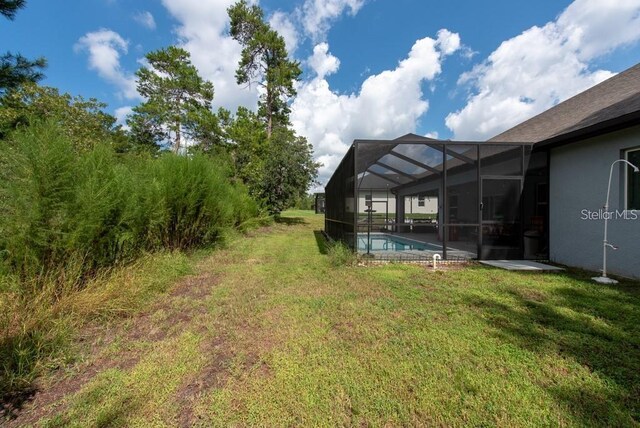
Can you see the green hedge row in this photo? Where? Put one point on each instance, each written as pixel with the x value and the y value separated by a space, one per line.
pixel 64 210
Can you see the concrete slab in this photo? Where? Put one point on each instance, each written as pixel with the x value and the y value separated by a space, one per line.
pixel 519 265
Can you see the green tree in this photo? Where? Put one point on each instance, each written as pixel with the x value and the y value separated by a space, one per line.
pixel 275 164
pixel 84 121
pixel 9 8
pixel 14 68
pixel 278 170
pixel 249 147
pixel 178 100
pixel 264 61
pixel 305 202
pixel 289 171
pixel 208 133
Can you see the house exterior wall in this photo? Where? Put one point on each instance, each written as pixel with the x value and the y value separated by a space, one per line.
pixel 579 174
pixel 380 197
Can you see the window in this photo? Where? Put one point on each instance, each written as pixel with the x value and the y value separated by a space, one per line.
pixel 367 200
pixel 633 180
pixel 420 200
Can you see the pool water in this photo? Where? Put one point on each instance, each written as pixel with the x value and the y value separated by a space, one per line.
pixel 383 242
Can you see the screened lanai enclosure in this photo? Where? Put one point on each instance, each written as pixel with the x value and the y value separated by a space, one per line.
pixel 413 197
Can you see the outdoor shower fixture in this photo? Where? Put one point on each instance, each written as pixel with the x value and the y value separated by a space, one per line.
pixel 605 244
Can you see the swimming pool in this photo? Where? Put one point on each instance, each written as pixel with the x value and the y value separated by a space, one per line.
pixel 385 242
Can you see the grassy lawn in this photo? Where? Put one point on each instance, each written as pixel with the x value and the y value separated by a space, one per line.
pixel 269 333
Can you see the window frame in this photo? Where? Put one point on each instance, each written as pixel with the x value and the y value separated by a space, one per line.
pixel 626 177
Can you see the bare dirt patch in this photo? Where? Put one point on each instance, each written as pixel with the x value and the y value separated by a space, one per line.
pixel 47 398
pixel 195 287
pixel 212 375
pixel 183 304
pixel 248 343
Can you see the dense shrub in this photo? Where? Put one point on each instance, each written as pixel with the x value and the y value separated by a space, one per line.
pixel 69 214
pixel 72 212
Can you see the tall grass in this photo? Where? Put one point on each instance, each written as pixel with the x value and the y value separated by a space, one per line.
pixel 63 209
pixel 68 215
pixel 341 255
pixel 37 331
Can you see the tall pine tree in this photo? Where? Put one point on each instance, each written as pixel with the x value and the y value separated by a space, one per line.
pixel 178 100
pixel 265 62
pixel 9 8
pixel 276 165
pixel 14 68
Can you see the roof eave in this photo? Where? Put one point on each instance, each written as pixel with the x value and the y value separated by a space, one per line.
pixel 600 128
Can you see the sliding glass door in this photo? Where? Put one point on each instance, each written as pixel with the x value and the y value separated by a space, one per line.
pixel 501 226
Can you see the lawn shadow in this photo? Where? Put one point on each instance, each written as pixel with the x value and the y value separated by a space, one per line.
pixel 20 353
pixel 11 403
pixel 594 325
pixel 321 242
pixel 289 221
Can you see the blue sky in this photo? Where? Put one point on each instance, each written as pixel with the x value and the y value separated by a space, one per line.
pixel 372 68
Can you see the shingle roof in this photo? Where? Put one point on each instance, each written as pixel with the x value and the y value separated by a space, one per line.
pixel 611 103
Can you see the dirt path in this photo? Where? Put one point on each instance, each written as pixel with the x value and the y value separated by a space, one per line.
pixel 154 367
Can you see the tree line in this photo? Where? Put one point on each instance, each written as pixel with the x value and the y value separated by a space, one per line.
pixel 264 152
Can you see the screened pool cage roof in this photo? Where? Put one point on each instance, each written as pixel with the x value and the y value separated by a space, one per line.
pixel 411 158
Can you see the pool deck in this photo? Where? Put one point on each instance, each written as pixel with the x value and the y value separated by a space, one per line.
pixel 520 265
pixel 424 238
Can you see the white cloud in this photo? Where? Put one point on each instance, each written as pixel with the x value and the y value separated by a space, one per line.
pixel 322 62
pixel 447 41
pixel 202 31
pixel 121 114
pixel 593 27
pixel 311 20
pixel 543 66
pixel 318 15
pixel 432 134
pixel 282 23
pixel 104 48
pixel 145 19
pixel 387 105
